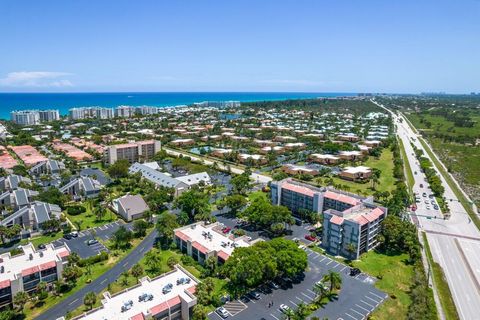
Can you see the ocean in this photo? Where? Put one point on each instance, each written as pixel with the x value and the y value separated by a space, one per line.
pixel 65 101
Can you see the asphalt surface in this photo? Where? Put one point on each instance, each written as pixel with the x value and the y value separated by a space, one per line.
pixel 76 300
pixel 452 241
pixel 356 300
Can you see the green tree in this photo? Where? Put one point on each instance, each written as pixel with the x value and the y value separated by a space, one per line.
pixel 140 228
pixel 172 261
pixel 41 291
pixel 200 312
pixel 234 202
pixel 195 204
pixel 241 183
pixel 90 299
pixel 73 258
pixel 166 223
pixel 119 169
pixel 122 237
pixel 137 271
pixel 153 261
pixel 54 196
pixel 334 279
pixel 71 273
pixel 20 300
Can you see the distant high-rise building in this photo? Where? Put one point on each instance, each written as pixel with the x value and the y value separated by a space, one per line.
pixel 33 117
pixel 125 111
pixel 90 113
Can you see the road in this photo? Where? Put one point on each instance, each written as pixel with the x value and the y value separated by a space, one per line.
pixel 76 300
pixel 259 178
pixel 455 242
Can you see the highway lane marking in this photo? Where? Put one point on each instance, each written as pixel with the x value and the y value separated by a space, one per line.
pixel 125 264
pixel 103 281
pixel 73 302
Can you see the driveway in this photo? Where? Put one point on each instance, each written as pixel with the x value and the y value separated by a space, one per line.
pixel 357 299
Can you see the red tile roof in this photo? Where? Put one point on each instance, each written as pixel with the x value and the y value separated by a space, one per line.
pixel 63 254
pixel 182 236
pixel 4 284
pixel 29 271
pixel 336 220
pixel 192 289
pixel 223 255
pixel 341 198
pixel 138 317
pixel 199 247
pixel 298 189
pixel 47 265
pixel 164 305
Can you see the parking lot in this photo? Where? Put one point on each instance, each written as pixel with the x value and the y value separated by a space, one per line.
pixel 79 244
pixel 357 299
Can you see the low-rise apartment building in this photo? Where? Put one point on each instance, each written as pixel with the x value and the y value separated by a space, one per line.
pixel 133 152
pixel 201 241
pixel 359 173
pixel 23 272
pixel 168 296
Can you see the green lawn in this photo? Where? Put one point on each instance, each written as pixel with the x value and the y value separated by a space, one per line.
pixel 89 220
pixel 395 278
pixel 444 293
pixel 258 194
pixel 386 181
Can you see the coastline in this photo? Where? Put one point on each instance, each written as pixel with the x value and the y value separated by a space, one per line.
pixel 64 101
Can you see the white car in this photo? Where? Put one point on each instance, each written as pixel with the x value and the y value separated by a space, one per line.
pixel 284 308
pixel 222 312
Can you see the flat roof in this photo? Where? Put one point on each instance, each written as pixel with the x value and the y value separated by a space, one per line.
pixel 112 304
pixel 208 239
pixel 22 264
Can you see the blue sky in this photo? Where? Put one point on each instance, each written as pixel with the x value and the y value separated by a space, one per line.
pixel 243 45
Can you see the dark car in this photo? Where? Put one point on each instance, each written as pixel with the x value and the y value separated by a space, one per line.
pixel 354 272
pixel 41 246
pixel 255 295
pixel 67 236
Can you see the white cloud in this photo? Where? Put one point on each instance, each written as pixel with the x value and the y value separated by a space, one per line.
pixel 36 79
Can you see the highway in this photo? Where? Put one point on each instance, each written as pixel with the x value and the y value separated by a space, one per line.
pixel 454 242
pixel 76 300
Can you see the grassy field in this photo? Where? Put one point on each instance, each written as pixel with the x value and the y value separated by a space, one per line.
pixel 395 278
pixel 89 220
pixel 444 293
pixel 387 182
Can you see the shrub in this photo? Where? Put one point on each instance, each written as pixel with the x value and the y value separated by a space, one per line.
pixel 94 259
pixel 75 210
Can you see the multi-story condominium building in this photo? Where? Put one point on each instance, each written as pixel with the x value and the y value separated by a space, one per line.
pixel 25 271
pixel 201 241
pixel 133 152
pixel 145 110
pixel 351 222
pixel 32 216
pixel 351 232
pixel 47 167
pixel 25 117
pixel 90 112
pixel 33 117
pixel 169 296
pixel 12 181
pixel 125 111
pixel 49 115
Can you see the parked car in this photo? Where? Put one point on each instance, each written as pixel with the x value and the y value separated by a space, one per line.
pixel 222 312
pixel 226 229
pixel 435 207
pixel 421 185
pixel 354 272
pixel 67 236
pixel 74 234
pixel 284 308
pixel 274 285
pixel 91 242
pixel 254 294
pixel 41 246
pixel 309 237
pixel 424 194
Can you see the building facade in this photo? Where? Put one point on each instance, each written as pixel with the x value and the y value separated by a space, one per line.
pixel 25 271
pixel 33 117
pixel 133 152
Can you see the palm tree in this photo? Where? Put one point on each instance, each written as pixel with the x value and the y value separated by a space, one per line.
pixel 321 291
pixel 20 299
pixel 334 279
pixel 302 312
pixel 90 299
pixel 136 271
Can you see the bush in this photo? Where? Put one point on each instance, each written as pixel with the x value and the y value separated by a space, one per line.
pixel 94 259
pixel 75 210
